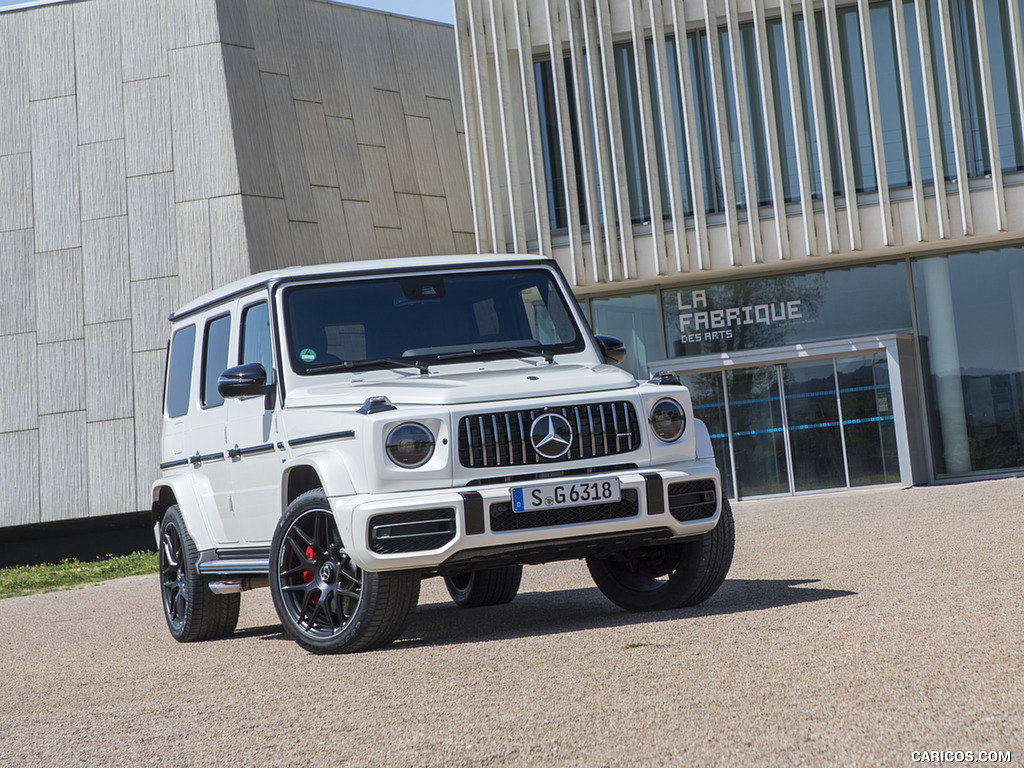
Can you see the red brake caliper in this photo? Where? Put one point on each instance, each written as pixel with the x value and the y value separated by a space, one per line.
pixel 307 576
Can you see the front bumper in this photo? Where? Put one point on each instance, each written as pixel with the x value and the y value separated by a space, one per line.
pixel 452 529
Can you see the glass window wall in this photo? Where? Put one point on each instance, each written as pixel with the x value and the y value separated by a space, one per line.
pixel 933 39
pixel 791 309
pixel 755 140
pixel 855 90
pixel 633 320
pixel 710 163
pixel 783 111
pixel 963 60
pixel 970 310
pixel 869 429
pixel 551 148
pixel 890 96
pixel 632 133
pixel 679 123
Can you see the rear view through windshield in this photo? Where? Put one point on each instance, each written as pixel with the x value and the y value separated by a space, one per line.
pixel 427 319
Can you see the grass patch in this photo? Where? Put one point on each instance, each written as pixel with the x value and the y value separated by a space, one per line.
pixel 47 577
pixel 631 646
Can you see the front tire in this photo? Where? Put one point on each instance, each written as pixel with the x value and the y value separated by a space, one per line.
pixel 326 603
pixel 192 611
pixel 669 575
pixel 490 586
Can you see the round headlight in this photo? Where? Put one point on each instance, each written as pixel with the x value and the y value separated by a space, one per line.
pixel 410 445
pixel 668 420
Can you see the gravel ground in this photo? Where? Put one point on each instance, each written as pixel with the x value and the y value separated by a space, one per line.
pixel 854 629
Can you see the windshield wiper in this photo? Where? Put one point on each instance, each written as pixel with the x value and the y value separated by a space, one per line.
pixel 548 355
pixel 393 362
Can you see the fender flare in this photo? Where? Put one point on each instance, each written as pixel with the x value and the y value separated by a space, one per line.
pixel 329 466
pixel 189 501
pixel 703 439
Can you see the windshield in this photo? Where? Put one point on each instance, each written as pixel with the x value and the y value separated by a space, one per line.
pixel 422 320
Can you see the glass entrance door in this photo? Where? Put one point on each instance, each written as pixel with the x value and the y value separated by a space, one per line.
pixel 812 420
pixel 798 426
pixel 758 431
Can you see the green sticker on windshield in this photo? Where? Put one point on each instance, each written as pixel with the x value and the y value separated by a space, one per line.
pixel 307 355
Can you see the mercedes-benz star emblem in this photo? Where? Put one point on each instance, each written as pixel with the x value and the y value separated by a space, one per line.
pixel 551 435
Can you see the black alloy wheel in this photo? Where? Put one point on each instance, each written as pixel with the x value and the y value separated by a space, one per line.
pixel 192 611
pixel 326 603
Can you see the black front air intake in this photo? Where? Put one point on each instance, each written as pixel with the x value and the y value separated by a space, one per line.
pixel 416 531
pixel 693 500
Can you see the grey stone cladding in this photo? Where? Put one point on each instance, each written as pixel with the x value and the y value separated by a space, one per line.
pixel 153 149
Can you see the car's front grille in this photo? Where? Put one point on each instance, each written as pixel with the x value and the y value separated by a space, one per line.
pixel 504 519
pixel 692 500
pixel 415 531
pixel 502 439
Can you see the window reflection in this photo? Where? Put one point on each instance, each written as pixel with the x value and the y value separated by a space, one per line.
pixel 971 318
pixel 634 320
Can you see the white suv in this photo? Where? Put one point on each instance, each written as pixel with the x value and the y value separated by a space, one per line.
pixel 342 432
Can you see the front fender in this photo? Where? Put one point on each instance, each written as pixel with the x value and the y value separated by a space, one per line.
pixel 329 466
pixel 188 497
pixel 704 448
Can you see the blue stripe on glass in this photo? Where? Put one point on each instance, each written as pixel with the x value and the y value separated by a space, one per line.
pixel 846 423
pixel 884 387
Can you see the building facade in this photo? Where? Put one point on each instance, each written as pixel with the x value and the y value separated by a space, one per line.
pixel 153 149
pixel 812 211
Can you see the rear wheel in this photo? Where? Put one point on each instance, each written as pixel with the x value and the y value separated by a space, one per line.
pixel 326 603
pixel 192 611
pixel 668 575
pixel 491 586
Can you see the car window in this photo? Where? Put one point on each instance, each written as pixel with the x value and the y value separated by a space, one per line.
pixel 179 371
pixel 427 317
pixel 256 345
pixel 215 358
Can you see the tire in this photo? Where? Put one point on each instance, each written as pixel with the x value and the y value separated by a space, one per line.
pixel 669 575
pixel 491 586
pixel 326 603
pixel 192 611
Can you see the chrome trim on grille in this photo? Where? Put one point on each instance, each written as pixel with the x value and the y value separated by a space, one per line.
pixel 482 444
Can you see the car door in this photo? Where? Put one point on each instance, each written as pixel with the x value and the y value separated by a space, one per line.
pixel 205 435
pixel 252 432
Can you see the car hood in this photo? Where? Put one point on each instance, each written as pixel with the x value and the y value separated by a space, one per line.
pixel 465 386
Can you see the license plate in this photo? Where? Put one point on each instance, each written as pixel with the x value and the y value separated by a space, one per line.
pixel 555 495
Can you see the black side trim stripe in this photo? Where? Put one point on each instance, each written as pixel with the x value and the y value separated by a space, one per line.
pixel 318 438
pixel 252 450
pixel 172 464
pixel 197 459
pixel 243 553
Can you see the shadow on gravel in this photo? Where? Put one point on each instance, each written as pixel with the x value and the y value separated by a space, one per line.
pixel 269 632
pixel 550 613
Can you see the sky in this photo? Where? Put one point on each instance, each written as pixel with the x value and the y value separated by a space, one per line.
pixel 436 10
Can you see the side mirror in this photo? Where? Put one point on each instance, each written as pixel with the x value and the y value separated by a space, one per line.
pixel 243 381
pixel 613 350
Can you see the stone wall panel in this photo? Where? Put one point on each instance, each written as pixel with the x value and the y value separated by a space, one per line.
pixel 104 189
pixel 55 197
pixel 105 270
pixel 108 371
pixel 63 462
